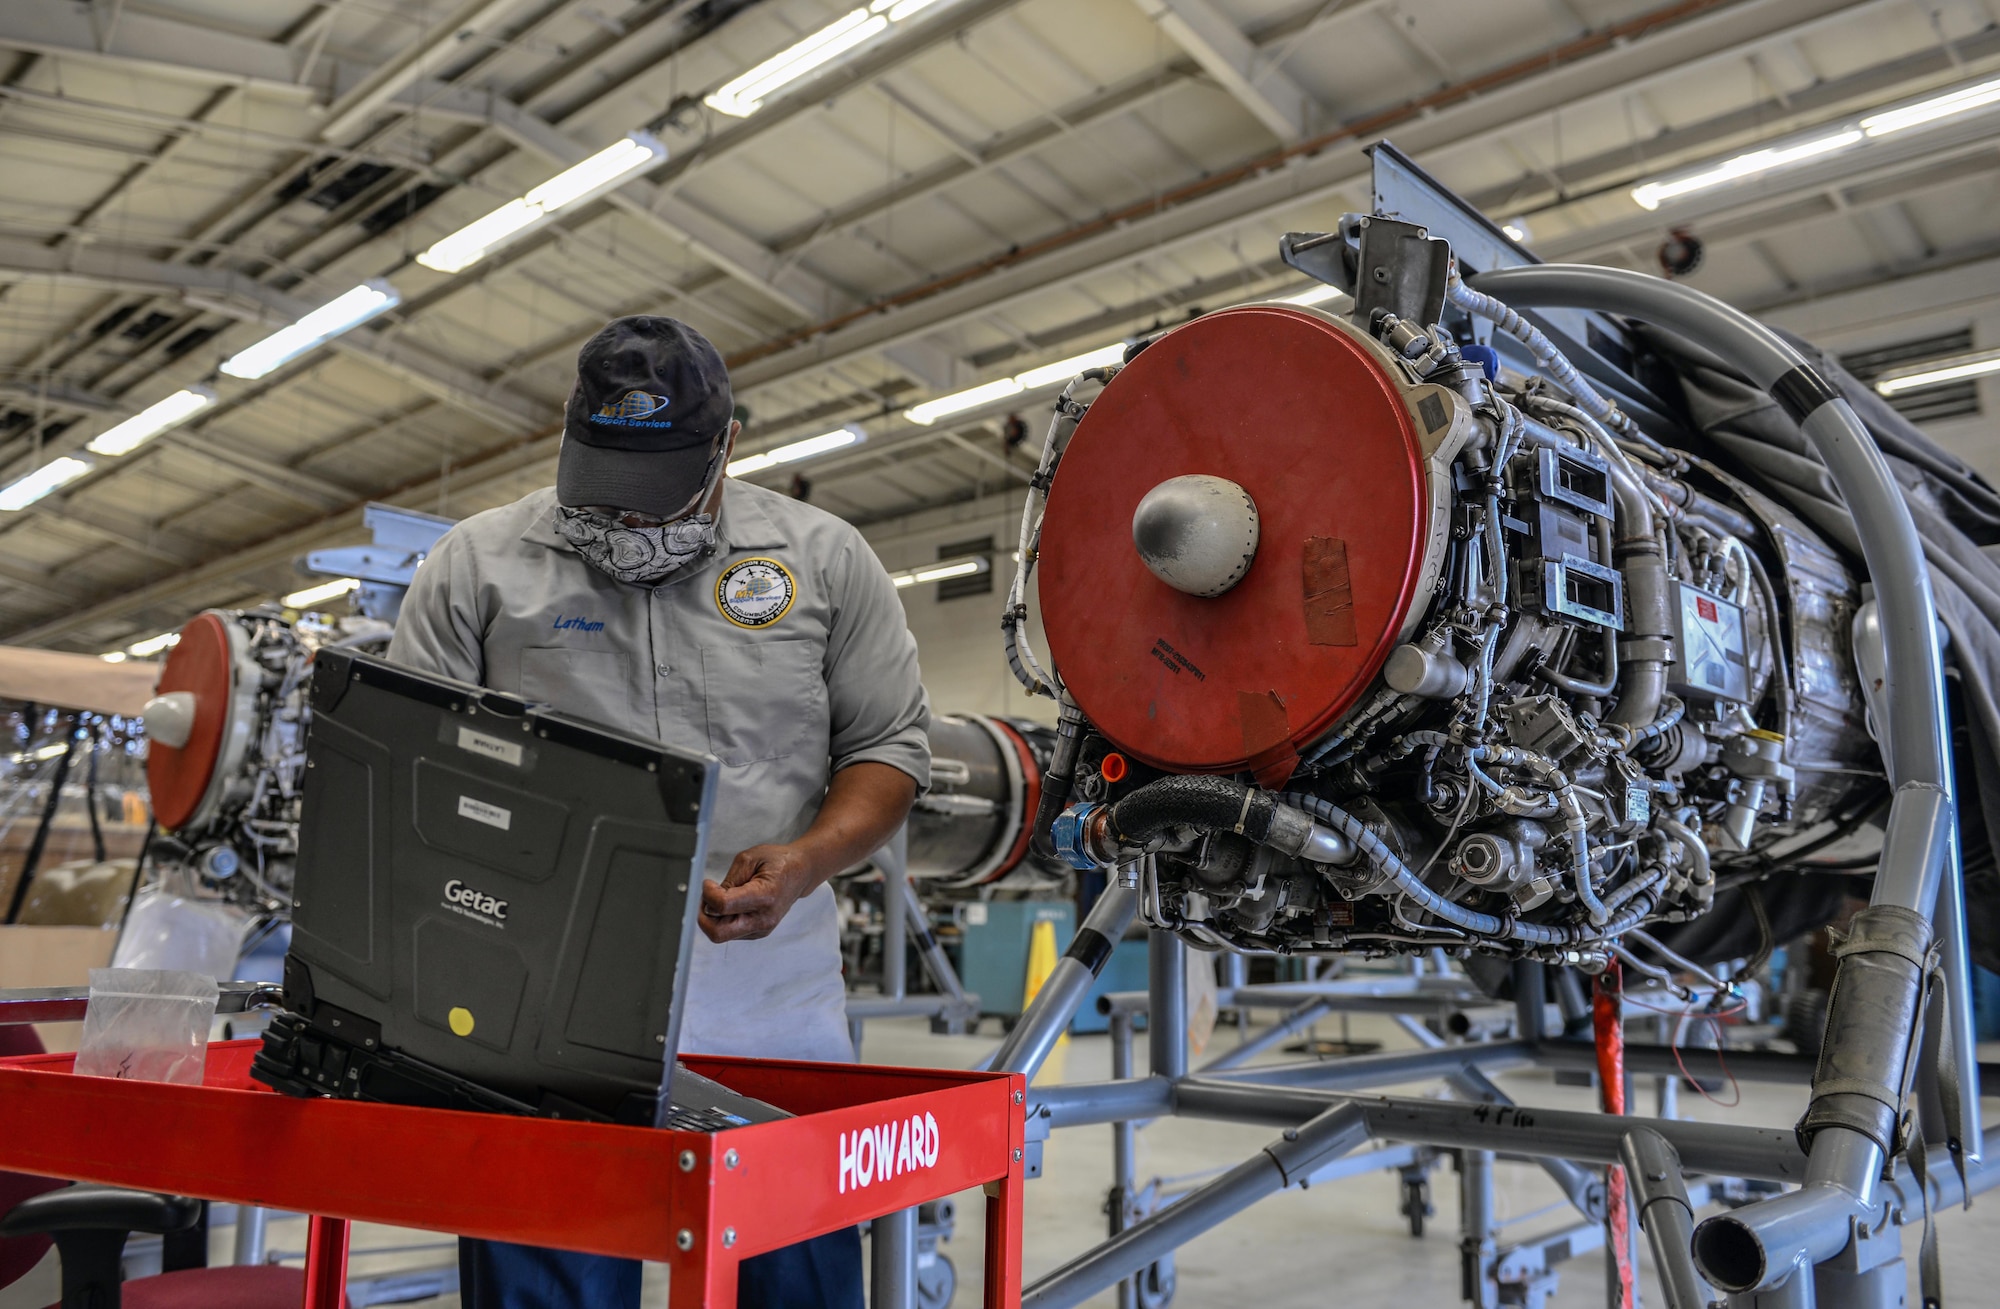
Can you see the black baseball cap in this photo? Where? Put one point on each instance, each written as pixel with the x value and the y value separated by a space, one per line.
pixel 652 400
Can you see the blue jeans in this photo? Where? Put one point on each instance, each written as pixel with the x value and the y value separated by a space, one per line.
pixel 823 1273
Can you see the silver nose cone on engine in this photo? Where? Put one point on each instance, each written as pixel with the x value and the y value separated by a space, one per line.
pixel 1197 533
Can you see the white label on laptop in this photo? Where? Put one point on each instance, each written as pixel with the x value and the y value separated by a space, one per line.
pixel 490 747
pixel 480 812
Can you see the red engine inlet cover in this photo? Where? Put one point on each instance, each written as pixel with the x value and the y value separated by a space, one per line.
pixel 1306 421
pixel 201 664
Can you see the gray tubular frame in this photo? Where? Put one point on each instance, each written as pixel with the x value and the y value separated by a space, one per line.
pixel 1028 1045
pixel 1293 1097
pixel 1319 1125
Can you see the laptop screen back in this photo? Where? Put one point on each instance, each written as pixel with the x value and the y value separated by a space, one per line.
pixel 503 893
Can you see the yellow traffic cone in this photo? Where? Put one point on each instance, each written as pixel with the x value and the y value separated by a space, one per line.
pixel 1041 962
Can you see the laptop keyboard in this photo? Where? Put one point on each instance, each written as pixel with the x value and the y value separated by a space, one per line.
pixel 682 1119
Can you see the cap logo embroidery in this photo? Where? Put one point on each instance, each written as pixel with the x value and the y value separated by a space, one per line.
pixel 633 409
pixel 755 592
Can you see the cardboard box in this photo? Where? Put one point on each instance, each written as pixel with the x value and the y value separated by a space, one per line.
pixel 54 956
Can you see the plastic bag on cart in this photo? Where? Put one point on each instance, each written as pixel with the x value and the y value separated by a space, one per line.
pixel 147 1025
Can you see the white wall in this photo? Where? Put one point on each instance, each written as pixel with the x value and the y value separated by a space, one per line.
pixel 958 641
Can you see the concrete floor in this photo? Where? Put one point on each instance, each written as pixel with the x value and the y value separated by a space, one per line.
pixel 1342 1244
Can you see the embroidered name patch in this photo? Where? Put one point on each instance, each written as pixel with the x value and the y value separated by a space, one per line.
pixel 755 592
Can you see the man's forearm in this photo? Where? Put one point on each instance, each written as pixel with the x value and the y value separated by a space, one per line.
pixel 865 804
pixel 863 807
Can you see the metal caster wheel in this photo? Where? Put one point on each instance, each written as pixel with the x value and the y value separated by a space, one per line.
pixel 1416 1206
pixel 937 1282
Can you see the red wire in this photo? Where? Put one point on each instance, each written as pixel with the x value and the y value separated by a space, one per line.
pixel 1728 1012
pixel 1681 1017
pixel 1735 1087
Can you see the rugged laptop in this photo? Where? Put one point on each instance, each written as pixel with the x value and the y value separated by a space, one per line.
pixel 494 908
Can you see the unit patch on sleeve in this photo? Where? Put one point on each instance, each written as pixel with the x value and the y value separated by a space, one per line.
pixel 755 592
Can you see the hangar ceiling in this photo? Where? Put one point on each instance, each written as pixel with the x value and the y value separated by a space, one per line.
pixel 980 188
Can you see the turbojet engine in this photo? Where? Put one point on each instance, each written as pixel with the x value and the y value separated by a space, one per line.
pixel 1365 644
pixel 226 754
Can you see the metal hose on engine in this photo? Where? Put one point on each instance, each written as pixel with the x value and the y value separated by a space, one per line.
pixel 1370 847
pixel 1552 360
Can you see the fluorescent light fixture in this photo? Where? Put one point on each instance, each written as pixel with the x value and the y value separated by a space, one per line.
pixel 1317 295
pixel 959 401
pixel 1516 232
pixel 1034 379
pixel 1965 99
pixel 594 175
pixel 1064 369
pixel 1649 195
pixel 940 572
pixel 1936 372
pixel 59 472
pixel 826 442
pixel 151 421
pixel 743 96
pixel 320 594
pixel 469 244
pixel 114 656
pixel 342 313
pixel 152 645
pixel 49 752
pixel 1951 103
pixel 587 180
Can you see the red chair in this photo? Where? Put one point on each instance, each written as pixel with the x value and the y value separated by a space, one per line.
pixel 89 1224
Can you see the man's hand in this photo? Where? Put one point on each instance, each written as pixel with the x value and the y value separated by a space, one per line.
pixel 763 884
pixel 864 806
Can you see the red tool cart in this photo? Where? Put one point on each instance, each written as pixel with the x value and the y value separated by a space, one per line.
pixel 866 1142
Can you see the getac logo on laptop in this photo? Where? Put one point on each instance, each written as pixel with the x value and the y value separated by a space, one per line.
pixel 463 899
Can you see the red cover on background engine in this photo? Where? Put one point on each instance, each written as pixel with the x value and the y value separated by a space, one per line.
pixel 1287 406
pixel 200 663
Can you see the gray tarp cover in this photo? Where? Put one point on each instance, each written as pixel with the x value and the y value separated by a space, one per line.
pixel 1958 516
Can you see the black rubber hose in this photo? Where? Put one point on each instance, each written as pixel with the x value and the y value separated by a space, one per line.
pixel 1058 778
pixel 33 862
pixel 90 802
pixel 1210 803
pixel 1055 796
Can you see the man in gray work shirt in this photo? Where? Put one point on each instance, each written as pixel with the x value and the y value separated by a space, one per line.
pixel 649 592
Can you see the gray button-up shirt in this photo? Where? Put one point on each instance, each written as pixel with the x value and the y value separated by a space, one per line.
pixel 786 655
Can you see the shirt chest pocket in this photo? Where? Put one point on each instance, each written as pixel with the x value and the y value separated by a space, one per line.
pixel 592 684
pixel 763 700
